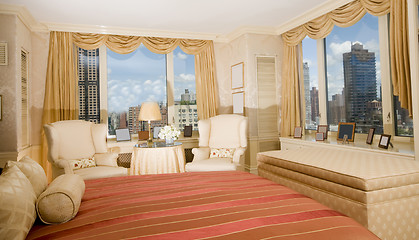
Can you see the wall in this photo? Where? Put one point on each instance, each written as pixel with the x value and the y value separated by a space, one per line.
pixel 19 37
pixel 245 49
pixel 8 89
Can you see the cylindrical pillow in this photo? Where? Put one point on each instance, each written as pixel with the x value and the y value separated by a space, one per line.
pixel 60 202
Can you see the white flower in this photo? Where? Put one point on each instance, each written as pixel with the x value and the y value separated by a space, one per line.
pixel 169 132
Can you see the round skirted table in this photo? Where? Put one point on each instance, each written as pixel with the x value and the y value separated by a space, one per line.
pixel 157 158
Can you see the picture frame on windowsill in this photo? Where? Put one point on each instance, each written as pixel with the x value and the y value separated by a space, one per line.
pixel 319 136
pixel 384 141
pixel 298 132
pixel 370 136
pixel 323 129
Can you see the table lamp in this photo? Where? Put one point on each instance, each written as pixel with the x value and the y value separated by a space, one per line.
pixel 149 111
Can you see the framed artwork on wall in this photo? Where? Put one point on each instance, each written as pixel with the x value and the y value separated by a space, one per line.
pixel 237 76
pixel 238 103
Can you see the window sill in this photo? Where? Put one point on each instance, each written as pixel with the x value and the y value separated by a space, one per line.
pixel 401 145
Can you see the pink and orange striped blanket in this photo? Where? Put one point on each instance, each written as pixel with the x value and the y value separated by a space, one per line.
pixel 215 205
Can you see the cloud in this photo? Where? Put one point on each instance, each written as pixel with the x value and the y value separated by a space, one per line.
pixel 181 56
pixel 184 78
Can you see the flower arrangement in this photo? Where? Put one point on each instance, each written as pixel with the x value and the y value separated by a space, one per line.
pixel 169 132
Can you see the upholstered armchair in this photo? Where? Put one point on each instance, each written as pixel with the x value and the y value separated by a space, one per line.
pixel 72 142
pixel 222 144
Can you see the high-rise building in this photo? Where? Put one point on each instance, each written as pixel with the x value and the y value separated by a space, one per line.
pixel 314 99
pixel 306 73
pixel 88 84
pixel 360 83
pixel 187 115
pixel 337 109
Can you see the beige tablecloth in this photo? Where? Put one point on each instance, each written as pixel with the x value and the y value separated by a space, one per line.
pixel 157 160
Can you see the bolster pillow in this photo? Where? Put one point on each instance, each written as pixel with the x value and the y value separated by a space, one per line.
pixel 61 200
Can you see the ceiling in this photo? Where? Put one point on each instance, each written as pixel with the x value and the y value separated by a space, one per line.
pixel 212 17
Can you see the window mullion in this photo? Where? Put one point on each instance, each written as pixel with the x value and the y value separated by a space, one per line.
pixel 103 82
pixel 170 88
pixel 321 63
pixel 386 85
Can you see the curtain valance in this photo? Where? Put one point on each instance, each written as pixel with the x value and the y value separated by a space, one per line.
pixel 344 16
pixel 127 44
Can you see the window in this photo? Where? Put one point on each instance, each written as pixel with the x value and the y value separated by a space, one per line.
pixel 353 76
pixel 132 79
pixel 184 85
pixel 311 83
pixel 24 98
pixel 135 78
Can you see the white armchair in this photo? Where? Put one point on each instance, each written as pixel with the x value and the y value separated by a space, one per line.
pixel 227 131
pixel 72 140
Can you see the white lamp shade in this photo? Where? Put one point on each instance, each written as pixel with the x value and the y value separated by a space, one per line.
pixel 149 111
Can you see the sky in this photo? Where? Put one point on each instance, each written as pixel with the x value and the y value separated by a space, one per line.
pixel 338 42
pixel 141 76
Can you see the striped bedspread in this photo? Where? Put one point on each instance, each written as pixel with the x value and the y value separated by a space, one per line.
pixel 216 205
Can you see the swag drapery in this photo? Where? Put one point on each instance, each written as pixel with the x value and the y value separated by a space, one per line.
pixel 60 101
pixel 344 16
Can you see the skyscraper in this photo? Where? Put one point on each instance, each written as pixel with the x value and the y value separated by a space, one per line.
pixel 314 99
pixel 360 83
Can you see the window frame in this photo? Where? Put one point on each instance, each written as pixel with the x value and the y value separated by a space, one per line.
pixel 103 80
pixel 386 84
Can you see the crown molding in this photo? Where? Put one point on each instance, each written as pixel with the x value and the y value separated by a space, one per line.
pixel 24 15
pixel 246 30
pixel 29 21
pixel 128 31
pixel 310 15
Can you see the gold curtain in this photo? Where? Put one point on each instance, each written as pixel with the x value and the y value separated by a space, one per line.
pixel 346 16
pixel 290 90
pixel 399 54
pixel 60 86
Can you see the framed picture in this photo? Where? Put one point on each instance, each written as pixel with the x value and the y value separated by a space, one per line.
pixel 122 134
pixel 156 131
pixel 187 131
pixel 238 103
pixel 370 136
pixel 1 107
pixel 384 141
pixel 319 136
pixel 298 132
pixel 323 129
pixel 346 129
pixel 143 135
pixel 237 73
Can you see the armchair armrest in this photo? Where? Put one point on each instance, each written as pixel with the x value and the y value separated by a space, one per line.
pixel 201 153
pixel 237 154
pixel 64 164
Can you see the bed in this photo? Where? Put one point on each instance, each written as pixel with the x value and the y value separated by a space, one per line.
pixel 216 205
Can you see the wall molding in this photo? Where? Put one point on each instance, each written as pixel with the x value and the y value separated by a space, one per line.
pixel 310 15
pixel 26 17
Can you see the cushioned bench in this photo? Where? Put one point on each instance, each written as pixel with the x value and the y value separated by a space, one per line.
pixel 379 191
